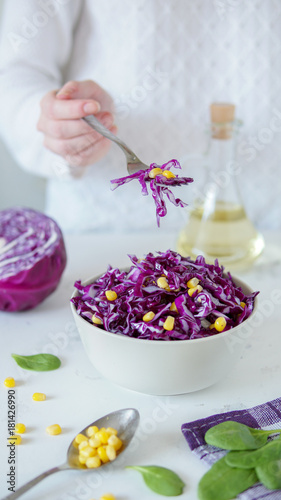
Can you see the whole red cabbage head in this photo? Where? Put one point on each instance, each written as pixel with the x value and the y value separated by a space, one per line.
pixel 32 258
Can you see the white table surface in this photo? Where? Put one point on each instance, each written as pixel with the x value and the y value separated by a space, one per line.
pixel 77 394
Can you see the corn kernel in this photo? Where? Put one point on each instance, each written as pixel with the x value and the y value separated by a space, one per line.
pixel 169 323
pixel 148 316
pixel 94 441
pixel 212 326
pixel 53 430
pixel 80 437
pixel 82 459
pixel 92 430
pixel 9 382
pixel 162 282
pixel 102 454
pixel 84 444
pixel 242 304
pixel 20 428
pixel 193 282
pixel 197 288
pixel 14 439
pixel 93 462
pixel 111 431
pixel 96 320
pixel 107 496
pixel 168 174
pixel 220 324
pixel 111 452
pixel 111 295
pixel 103 436
pixel 39 396
pixel 155 171
pixel 87 452
pixel 115 441
pixel 173 307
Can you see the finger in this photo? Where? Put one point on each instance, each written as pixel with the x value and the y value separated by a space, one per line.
pixel 101 145
pixel 71 147
pixel 91 154
pixel 67 129
pixel 87 89
pixel 57 109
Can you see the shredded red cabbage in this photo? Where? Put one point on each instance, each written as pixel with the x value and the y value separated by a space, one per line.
pixel 160 186
pixel 138 293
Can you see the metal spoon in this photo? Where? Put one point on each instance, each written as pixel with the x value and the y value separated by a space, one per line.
pixel 124 421
pixel 134 164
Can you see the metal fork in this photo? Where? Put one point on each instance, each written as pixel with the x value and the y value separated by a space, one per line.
pixel 134 164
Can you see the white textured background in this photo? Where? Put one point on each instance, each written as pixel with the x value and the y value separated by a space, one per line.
pixel 232 52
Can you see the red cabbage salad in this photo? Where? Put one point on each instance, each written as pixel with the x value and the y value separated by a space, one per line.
pixel 160 180
pixel 164 297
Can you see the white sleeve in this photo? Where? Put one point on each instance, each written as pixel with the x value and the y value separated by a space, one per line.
pixel 35 46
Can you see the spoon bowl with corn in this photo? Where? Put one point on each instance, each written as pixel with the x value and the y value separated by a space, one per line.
pixel 99 443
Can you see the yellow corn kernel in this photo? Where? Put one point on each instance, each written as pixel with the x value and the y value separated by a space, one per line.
pixel 173 307
pixel 53 430
pixel 242 304
pixel 14 439
pixel 191 291
pixel 93 462
pixel 148 316
pixel 9 382
pixel 20 428
pixel 87 452
pixel 39 396
pixel 82 459
pixel 96 320
pixel 80 437
pixel 162 282
pixel 192 283
pixel 92 430
pixel 107 496
pixel 111 431
pixel 94 441
pixel 115 441
pixel 111 452
pixel 155 171
pixel 169 323
pixel 102 454
pixel 103 436
pixel 111 295
pixel 220 324
pixel 212 326
pixel 84 444
pixel 168 174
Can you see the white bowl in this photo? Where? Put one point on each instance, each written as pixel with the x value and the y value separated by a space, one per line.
pixel 163 367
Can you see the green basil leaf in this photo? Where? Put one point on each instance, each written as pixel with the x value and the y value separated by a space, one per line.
pixel 38 362
pixel 231 435
pixel 269 474
pixel 222 482
pixel 161 480
pixel 249 459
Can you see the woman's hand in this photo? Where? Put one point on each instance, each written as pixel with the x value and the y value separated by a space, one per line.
pixel 65 133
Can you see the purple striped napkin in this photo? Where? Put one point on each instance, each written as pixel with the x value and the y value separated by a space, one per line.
pixel 265 416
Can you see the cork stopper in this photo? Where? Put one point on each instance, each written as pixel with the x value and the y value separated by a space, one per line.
pixel 222 118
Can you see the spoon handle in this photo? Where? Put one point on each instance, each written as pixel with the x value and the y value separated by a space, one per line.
pixel 32 483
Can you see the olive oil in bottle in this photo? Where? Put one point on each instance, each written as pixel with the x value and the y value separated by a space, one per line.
pixel 218 226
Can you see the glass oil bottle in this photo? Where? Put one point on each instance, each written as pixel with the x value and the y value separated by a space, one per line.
pixel 218 226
